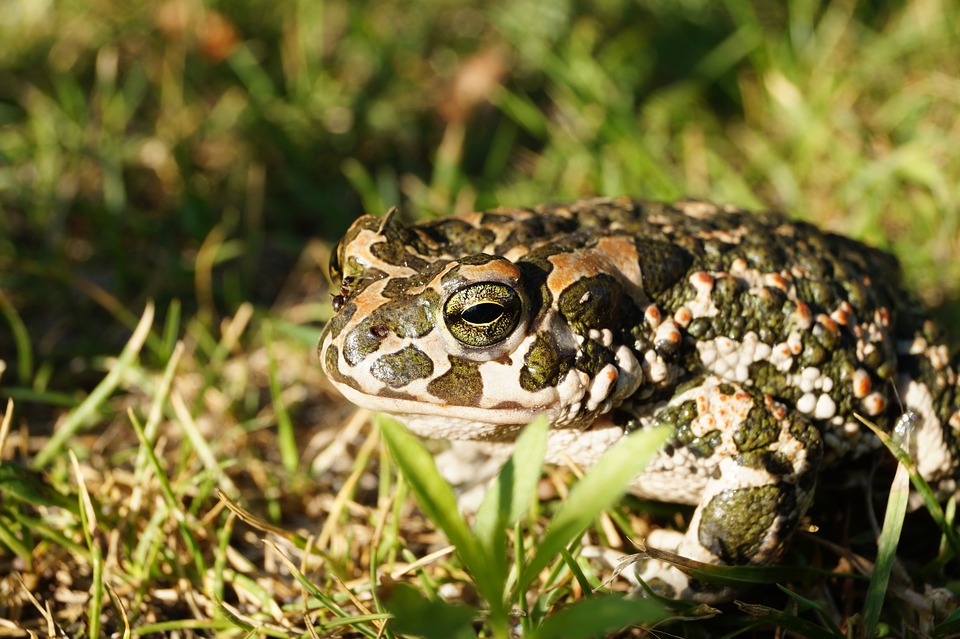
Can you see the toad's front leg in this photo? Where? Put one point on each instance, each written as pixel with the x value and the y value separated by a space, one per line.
pixel 750 466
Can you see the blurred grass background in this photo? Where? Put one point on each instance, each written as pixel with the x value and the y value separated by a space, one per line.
pixel 131 131
pixel 206 154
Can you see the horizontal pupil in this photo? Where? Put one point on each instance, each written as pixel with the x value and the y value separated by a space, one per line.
pixel 482 313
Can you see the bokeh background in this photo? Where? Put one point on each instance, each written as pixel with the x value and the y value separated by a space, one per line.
pixel 132 131
pixel 206 155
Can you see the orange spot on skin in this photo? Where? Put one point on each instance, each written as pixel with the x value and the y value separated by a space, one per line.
pixel 615 256
pixel 702 279
pixel 652 315
pixel 804 315
pixel 775 280
pixel 861 384
pixel 495 270
pixel 827 322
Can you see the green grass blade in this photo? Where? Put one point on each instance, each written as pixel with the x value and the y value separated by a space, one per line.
pixel 436 498
pixel 51 398
pixel 363 183
pixel 286 437
pixel 21 339
pixel 920 485
pixel 574 567
pixel 595 616
pixel 414 614
pixel 188 624
pixel 736 576
pixel 949 626
pixel 31 487
pixel 801 627
pixel 76 419
pixel 810 604
pixel 520 599
pixel 97 590
pixel 171 329
pixel 325 599
pixel 158 401
pixel 200 445
pixel 90 527
pixel 15 545
pixel 170 498
pixel 600 488
pixel 40 527
pixel 220 555
pixel 887 548
pixel 355 620
pixel 522 110
pixel 236 621
pixel 510 494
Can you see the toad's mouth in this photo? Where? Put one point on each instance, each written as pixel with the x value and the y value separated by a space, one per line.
pixel 410 407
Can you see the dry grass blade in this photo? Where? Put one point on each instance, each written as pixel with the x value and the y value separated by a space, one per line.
pixel 426 560
pixel 256 522
pixel 200 445
pixel 86 411
pixel 345 492
pixel 5 426
pixel 118 603
pixel 154 418
pixel 338 447
pixel 91 532
pixel 327 600
pixel 44 610
pixel 87 512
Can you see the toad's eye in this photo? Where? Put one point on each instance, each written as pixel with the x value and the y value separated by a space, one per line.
pixel 482 314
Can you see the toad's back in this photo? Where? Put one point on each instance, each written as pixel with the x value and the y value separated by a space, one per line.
pixel 757 337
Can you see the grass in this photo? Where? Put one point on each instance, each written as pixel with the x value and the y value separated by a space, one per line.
pixel 172 176
pixel 483 548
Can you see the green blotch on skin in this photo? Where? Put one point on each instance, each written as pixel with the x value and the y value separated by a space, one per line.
pixel 462 385
pixel 400 368
pixel 762 257
pixel 701 329
pixel 726 292
pixel 726 389
pixel 813 353
pixel 397 287
pixel 544 364
pixel 773 462
pixel 759 429
pixel 815 292
pixel 704 446
pixel 592 303
pixel 593 357
pixel 678 416
pixel 827 336
pixel 457 233
pixel 661 264
pixel 767 379
pixel 404 317
pixel 338 321
pixel 735 522
pixel 681 418
pixel 396 254
pixel 331 363
pixel 808 434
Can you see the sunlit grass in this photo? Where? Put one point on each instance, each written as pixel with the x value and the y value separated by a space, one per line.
pixel 172 175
